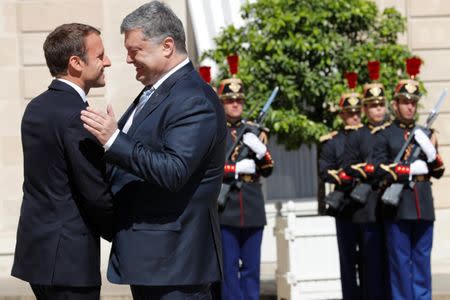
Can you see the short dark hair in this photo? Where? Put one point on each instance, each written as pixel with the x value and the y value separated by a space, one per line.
pixel 65 41
pixel 157 21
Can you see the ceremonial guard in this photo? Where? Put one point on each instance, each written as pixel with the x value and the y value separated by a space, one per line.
pixel 338 202
pixel 366 195
pixel 242 214
pixel 409 220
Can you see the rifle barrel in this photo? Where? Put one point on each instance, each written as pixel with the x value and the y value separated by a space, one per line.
pixel 268 104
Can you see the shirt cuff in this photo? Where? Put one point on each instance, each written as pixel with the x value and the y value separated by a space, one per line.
pixel 111 140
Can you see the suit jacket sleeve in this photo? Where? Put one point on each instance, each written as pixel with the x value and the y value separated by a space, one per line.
pixel 187 139
pixel 87 173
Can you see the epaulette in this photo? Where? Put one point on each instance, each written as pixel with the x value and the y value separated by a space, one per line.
pixel 353 127
pixel 381 127
pixel 328 136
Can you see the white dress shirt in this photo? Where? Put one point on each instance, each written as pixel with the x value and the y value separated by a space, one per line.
pixel 130 118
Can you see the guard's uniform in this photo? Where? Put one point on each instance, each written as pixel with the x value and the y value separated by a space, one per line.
pixel 330 167
pixel 366 216
pixel 242 222
pixel 332 156
pixel 358 164
pixel 409 226
pixel 243 216
pixel 244 206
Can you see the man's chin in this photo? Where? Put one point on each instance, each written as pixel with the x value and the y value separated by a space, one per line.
pixel 141 79
pixel 99 84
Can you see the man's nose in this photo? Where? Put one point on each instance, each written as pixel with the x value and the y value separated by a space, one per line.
pixel 129 60
pixel 106 61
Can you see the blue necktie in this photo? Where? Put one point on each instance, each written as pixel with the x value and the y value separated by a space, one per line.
pixel 142 100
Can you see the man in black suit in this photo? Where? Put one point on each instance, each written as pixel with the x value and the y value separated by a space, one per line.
pixel 168 150
pixel 67 203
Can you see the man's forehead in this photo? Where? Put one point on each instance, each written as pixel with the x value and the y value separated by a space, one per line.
pixel 404 100
pixel 93 41
pixel 134 35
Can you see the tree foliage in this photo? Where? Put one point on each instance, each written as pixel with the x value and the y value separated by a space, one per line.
pixel 305 47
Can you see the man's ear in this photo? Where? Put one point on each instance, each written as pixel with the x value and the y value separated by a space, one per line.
pixel 75 63
pixel 394 105
pixel 168 46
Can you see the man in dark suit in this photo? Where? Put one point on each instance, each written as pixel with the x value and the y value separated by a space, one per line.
pixel 168 151
pixel 67 204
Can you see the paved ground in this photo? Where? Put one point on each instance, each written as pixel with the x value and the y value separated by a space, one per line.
pixel 14 289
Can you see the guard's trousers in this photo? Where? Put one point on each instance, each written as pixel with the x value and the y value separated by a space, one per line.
pixel 409 246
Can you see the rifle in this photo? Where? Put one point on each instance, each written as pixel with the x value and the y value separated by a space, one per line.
pixel 391 195
pixel 255 128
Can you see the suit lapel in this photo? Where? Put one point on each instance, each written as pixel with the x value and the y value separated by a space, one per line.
pixel 158 97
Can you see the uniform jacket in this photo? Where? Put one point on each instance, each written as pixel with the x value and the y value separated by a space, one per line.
pixel 417 202
pixel 166 178
pixel 358 163
pixel 66 201
pixel 331 159
pixel 244 206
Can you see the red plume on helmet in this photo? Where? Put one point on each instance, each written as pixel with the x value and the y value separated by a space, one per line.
pixel 350 101
pixel 374 70
pixel 413 66
pixel 205 73
pixel 352 79
pixel 232 88
pixel 410 88
pixel 233 62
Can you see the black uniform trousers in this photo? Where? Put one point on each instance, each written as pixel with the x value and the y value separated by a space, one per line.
pixel 49 292
pixel 194 292
pixel 347 234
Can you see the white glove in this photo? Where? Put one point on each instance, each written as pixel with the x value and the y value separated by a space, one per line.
pixel 255 144
pixel 246 166
pixel 418 167
pixel 426 145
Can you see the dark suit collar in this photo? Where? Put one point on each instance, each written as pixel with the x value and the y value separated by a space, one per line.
pixel 158 96
pixel 58 85
pixel 170 81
